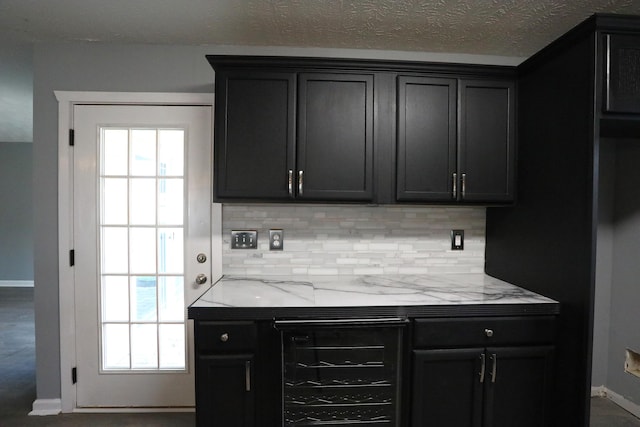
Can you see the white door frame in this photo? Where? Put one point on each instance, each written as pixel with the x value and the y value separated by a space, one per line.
pixel 66 101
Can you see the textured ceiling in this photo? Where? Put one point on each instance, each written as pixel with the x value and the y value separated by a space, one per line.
pixel 506 28
pixel 509 27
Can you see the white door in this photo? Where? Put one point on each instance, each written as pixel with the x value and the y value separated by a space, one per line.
pixel 142 234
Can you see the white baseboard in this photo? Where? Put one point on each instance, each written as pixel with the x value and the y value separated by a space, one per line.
pixel 619 400
pixel 43 407
pixel 16 283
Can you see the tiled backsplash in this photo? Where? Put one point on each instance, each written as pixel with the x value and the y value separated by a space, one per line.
pixel 321 239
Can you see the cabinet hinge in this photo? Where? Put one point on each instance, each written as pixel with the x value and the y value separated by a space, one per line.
pixel 74 375
pixel 72 257
pixel 72 137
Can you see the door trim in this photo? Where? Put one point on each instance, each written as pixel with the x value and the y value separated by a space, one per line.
pixel 66 279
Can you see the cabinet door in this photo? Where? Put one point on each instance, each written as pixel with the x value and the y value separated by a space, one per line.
pixel 486 152
pixel 447 388
pixel 426 139
pixel 224 391
pixel 335 137
pixel 622 74
pixel 254 138
pixel 518 387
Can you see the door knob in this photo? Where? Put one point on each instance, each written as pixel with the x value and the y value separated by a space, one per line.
pixel 201 279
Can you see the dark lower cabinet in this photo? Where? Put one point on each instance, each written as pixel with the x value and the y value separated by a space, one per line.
pixel 449 371
pixel 225 394
pixel 474 387
pixel 446 388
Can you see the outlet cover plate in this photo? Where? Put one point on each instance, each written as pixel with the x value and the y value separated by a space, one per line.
pixel 276 240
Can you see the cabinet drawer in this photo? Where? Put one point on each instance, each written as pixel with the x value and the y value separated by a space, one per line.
pixel 483 331
pixel 225 336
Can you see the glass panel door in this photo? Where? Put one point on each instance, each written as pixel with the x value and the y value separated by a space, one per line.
pixel 142 215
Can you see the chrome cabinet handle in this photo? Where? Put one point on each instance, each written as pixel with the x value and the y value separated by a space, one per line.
pixel 454 193
pixel 224 337
pixel 247 375
pixel 464 184
pixel 482 363
pixel 300 179
pixel 488 333
pixel 494 367
pixel 290 183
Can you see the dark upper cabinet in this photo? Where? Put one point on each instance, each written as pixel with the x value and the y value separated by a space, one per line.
pixel 622 73
pixel 486 149
pixel 426 139
pixel 335 137
pixel 310 129
pixel 456 140
pixel 254 134
pixel 258 155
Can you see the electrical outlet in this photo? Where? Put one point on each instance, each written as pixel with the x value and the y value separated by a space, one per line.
pixel 244 239
pixel 457 240
pixel 276 240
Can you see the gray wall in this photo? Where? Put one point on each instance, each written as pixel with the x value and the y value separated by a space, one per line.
pixel 617 313
pixel 625 290
pixel 101 67
pixel 604 264
pixel 16 211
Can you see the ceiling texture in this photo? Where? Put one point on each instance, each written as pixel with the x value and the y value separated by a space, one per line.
pixel 494 27
pixel 503 28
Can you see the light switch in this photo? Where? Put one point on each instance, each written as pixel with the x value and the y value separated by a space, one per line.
pixel 244 239
pixel 457 240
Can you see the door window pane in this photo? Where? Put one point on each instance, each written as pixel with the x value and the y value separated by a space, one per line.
pixel 143 298
pixel 170 201
pixel 170 250
pixel 114 250
pixel 171 298
pixel 171 152
pixel 115 299
pixel 115 147
pixel 143 152
pixel 144 346
pixel 114 206
pixel 115 346
pixel 143 201
pixel 172 349
pixel 143 246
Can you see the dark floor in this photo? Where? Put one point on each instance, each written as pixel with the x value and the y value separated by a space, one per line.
pixel 18 391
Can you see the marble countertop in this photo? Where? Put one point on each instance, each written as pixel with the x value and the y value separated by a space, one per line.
pixel 375 291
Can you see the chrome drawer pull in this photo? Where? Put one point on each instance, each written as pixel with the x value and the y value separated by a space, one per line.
pixel 454 193
pixel 247 375
pixel 290 183
pixel 224 337
pixel 488 333
pixel 482 360
pixel 300 186
pixel 494 367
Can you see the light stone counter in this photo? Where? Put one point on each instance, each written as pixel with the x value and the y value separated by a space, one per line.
pixel 277 296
